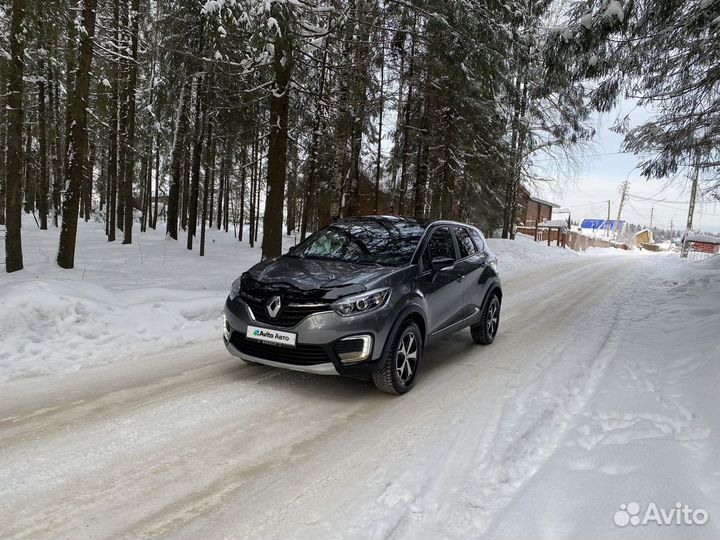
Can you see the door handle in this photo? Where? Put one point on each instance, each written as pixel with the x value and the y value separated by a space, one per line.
pixel 460 279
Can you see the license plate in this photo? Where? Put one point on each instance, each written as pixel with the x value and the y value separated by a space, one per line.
pixel 276 337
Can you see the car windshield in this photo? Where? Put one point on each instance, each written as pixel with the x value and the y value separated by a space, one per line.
pixel 364 242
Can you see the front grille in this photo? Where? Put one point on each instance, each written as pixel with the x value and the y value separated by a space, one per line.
pixel 301 355
pixel 296 304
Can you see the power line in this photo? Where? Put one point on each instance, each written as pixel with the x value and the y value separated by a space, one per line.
pixel 596 203
pixel 590 156
pixel 652 199
pixel 683 204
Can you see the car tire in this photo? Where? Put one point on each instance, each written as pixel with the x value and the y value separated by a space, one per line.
pixel 484 332
pixel 402 359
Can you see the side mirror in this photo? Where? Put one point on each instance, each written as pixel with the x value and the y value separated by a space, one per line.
pixel 440 264
pixel 292 250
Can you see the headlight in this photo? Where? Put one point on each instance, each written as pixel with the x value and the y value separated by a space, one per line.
pixel 362 303
pixel 235 288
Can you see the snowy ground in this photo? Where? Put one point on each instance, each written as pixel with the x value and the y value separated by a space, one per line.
pixel 600 390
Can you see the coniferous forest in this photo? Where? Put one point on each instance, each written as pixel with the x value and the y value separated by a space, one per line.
pixel 281 115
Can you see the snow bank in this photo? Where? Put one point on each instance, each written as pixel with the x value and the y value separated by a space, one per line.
pixel 119 299
pixel 524 253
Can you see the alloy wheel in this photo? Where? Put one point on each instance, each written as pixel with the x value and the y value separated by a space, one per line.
pixel 406 357
pixel 493 317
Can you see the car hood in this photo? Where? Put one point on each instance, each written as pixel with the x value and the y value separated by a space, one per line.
pixel 309 274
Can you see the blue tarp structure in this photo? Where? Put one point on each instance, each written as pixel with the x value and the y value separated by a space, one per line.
pixel 601 224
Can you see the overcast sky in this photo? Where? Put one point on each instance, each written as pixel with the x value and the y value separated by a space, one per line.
pixel 600 177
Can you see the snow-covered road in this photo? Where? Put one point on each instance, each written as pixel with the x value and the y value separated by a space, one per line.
pixel 506 440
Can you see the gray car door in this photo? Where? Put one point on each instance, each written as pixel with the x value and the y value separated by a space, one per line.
pixel 472 263
pixel 442 290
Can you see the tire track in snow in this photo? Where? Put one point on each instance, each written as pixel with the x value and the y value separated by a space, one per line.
pixel 486 471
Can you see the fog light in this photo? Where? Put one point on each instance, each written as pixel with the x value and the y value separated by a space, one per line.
pixel 226 328
pixel 354 349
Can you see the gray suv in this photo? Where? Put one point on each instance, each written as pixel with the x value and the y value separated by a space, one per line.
pixel 363 297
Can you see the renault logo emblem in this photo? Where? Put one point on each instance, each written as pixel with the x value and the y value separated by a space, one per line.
pixel 273 306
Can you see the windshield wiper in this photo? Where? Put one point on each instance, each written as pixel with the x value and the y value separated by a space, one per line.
pixel 320 258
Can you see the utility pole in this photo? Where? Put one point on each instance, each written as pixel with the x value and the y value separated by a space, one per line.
pixel 625 186
pixel 693 193
pixel 691 209
pixel 652 211
pixel 607 223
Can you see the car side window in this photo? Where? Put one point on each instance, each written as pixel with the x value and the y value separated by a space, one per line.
pixel 440 245
pixel 479 239
pixel 465 243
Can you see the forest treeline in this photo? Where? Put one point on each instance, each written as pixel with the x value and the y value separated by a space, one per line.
pixel 187 114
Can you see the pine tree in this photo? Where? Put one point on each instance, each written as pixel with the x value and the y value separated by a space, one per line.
pixel 78 145
pixel 13 173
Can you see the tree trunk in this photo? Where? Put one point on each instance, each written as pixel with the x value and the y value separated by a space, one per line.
pixel 57 146
pixel 226 199
pixel 102 180
pixel 309 202
pixel 71 56
pixel 129 170
pixel 187 168
pixel 228 188
pixel 121 22
pixel 378 159
pixel 290 191
pixel 87 189
pixel 402 191
pixel 29 162
pixel 423 152
pixel 208 183
pixel 112 203
pixel 148 185
pixel 4 68
pixel 210 213
pixel 43 181
pixel 394 185
pixel 222 182
pixel 277 145
pixel 198 140
pixel 157 182
pixel 243 178
pixel 181 127
pixel 253 188
pixel 13 195
pixel 355 147
pixel 78 138
pixel 258 190
pixel 144 168
pixel 518 147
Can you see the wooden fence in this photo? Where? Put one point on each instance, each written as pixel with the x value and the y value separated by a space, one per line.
pixel 573 240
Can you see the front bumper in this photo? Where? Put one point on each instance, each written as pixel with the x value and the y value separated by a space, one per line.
pixel 317 336
pixel 326 368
